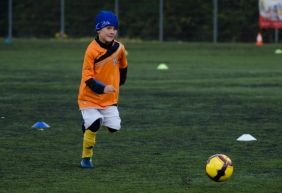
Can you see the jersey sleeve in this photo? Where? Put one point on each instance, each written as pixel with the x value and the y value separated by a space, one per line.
pixel 123 59
pixel 88 65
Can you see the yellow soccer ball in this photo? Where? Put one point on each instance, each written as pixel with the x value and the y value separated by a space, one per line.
pixel 219 167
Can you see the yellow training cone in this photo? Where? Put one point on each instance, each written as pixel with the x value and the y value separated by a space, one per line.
pixel 162 66
pixel 278 51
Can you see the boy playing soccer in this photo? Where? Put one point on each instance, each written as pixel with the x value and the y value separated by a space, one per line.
pixel 104 70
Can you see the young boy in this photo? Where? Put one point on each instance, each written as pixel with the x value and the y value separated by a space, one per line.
pixel 104 70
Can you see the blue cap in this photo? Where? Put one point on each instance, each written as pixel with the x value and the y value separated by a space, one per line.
pixel 104 19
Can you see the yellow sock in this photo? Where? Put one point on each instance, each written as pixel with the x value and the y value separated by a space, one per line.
pixel 89 140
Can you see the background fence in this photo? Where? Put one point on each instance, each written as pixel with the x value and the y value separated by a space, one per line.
pixel 182 20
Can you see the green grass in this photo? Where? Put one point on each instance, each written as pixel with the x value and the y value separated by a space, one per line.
pixel 172 120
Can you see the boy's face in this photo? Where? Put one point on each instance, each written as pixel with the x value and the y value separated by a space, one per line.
pixel 107 34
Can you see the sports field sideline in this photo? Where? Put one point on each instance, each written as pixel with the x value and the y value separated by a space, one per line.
pixel 172 120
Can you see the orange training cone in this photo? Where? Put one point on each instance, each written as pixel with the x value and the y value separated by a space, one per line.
pixel 259 40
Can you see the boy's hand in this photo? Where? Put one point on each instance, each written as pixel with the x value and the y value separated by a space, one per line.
pixel 109 89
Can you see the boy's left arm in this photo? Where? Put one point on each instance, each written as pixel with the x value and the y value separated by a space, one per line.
pixel 123 75
pixel 123 67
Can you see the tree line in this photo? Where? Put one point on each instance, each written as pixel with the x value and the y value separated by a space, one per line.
pixel 183 20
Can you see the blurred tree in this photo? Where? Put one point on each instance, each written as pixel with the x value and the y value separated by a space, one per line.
pixel 3 18
pixel 183 20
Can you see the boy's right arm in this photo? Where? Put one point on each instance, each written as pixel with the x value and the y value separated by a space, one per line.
pixel 95 85
pixel 88 75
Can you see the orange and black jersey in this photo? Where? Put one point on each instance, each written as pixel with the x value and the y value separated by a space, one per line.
pixel 103 65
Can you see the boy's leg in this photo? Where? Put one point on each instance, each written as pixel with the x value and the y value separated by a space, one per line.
pixel 111 118
pixel 89 139
pixel 92 122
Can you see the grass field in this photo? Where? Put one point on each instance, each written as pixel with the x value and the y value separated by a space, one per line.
pixel 172 120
